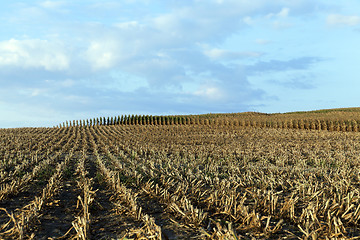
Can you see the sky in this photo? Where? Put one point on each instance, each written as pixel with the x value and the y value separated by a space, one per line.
pixel 65 60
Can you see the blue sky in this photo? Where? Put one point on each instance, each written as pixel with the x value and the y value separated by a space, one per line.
pixel 64 60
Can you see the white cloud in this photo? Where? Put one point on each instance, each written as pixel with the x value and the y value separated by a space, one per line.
pixel 52 4
pixel 284 12
pixel 337 19
pixel 33 92
pixel 220 54
pixel 102 55
pixel 210 93
pixel 248 20
pixel 106 5
pixel 280 18
pixel 33 53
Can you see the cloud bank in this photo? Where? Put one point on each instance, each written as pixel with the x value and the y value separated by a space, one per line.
pixel 85 58
pixel 337 19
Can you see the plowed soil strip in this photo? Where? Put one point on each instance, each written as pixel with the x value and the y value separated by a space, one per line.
pixel 25 195
pixel 17 202
pixel 170 226
pixel 58 215
pixel 108 220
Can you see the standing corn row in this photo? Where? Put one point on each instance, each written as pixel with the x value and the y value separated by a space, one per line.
pixel 264 122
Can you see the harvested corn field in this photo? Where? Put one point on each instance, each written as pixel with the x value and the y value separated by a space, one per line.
pixel 179 181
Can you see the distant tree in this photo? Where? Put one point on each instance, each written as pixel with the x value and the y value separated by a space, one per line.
pixel 143 120
pixel 152 120
pixel 136 120
pixel 192 121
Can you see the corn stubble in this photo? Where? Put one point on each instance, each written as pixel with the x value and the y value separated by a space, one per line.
pixel 216 178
